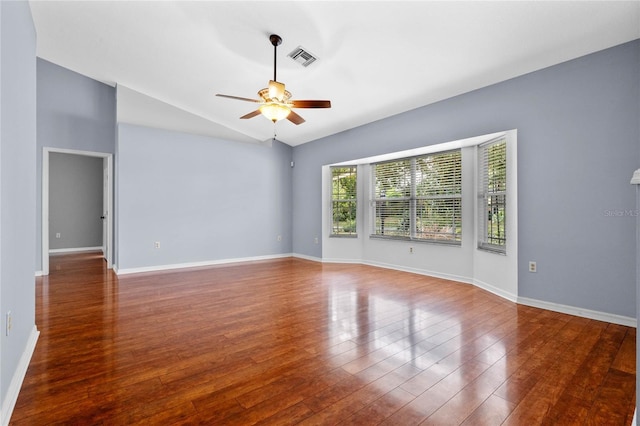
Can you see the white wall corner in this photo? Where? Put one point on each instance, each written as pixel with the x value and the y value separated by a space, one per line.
pixel 18 377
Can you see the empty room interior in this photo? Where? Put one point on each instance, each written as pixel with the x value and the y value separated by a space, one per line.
pixel 319 212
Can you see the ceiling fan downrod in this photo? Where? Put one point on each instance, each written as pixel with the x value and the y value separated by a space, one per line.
pixel 275 41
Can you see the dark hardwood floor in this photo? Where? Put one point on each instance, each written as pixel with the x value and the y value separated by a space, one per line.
pixel 291 341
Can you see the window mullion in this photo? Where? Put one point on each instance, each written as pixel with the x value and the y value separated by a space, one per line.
pixel 412 203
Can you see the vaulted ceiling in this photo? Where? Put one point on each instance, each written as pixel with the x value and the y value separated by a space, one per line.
pixel 375 58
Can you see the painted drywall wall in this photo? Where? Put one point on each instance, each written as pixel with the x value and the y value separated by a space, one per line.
pixel 202 199
pixel 636 185
pixel 74 112
pixel 17 195
pixel 75 201
pixel 578 141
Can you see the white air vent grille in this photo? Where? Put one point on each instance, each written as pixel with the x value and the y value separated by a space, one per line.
pixel 302 56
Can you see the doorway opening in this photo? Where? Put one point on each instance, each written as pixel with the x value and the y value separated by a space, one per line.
pixel 103 212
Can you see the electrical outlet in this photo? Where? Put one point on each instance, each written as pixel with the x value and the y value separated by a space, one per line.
pixel 533 267
pixel 315 240
pixel 411 250
pixel 279 237
pixel 9 323
pixel 57 235
pixel 156 244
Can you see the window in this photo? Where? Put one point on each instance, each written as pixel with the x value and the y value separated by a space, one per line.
pixel 492 167
pixel 343 201
pixel 419 198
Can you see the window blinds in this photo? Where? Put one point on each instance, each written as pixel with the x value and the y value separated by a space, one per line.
pixel 419 197
pixel 492 197
pixel 343 200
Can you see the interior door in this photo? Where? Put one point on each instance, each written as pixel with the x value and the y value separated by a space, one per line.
pixel 105 209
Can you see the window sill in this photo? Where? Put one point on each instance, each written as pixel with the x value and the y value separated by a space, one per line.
pixel 499 251
pixel 418 240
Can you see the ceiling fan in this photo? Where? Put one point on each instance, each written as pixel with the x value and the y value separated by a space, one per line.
pixel 275 102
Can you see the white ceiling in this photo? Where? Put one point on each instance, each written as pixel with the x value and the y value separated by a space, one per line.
pixel 376 58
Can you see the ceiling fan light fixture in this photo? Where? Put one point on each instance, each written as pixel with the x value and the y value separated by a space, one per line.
pixel 275 111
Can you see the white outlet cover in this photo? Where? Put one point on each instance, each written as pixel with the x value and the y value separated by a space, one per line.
pixel 9 323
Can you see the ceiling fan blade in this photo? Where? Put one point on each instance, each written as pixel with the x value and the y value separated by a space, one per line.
pixel 238 98
pixel 251 114
pixel 310 104
pixel 295 118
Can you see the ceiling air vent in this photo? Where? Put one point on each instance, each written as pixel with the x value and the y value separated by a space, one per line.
pixel 302 56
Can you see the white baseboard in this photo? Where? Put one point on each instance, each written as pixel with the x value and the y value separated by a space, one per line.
pixel 458 278
pixel 579 312
pixel 345 261
pixel 418 271
pixel 495 290
pixel 158 268
pixel 74 250
pixel 18 377
pixel 39 274
pixel 305 257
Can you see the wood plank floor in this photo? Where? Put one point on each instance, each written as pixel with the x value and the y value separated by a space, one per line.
pixel 291 341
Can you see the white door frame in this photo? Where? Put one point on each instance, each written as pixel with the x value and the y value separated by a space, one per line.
pixel 45 202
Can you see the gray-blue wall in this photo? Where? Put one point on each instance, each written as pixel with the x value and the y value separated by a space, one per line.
pixel 578 144
pixel 74 112
pixel 203 199
pixel 17 188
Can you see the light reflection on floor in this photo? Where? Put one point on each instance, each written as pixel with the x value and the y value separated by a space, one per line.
pixel 386 328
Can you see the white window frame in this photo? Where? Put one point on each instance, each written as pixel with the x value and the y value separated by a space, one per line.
pixel 486 197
